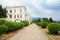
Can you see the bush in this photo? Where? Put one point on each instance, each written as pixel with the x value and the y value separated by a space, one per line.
pixel 44 24
pixel 53 28
pixel 17 26
pixel 11 26
pixel 25 23
pixel 3 29
pixel 22 23
pixel 38 23
pixel 2 22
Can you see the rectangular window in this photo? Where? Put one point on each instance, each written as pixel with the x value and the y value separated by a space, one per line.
pixel 14 16
pixel 20 16
pixel 14 11
pixel 20 10
pixel 17 16
pixel 10 16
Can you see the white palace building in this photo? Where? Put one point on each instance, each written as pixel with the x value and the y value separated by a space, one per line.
pixel 17 14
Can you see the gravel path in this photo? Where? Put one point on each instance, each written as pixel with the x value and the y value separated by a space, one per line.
pixel 32 32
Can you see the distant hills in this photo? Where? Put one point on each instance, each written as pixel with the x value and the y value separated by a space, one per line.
pixel 41 18
pixel 34 18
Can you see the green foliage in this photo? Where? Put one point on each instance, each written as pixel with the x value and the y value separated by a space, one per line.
pixel 38 23
pixel 53 28
pixel 44 24
pixel 3 29
pixel 25 23
pixel 17 25
pixel 2 22
pixel 11 26
pixel 3 12
pixel 50 20
pixel 37 20
pixel 22 23
pixel 45 20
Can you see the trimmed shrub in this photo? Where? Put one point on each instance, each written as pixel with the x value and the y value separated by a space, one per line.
pixel 3 29
pixel 25 23
pixel 38 23
pixel 53 28
pixel 44 24
pixel 22 23
pixel 17 26
pixel 11 26
pixel 2 22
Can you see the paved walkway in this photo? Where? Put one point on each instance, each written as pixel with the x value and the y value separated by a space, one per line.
pixel 32 32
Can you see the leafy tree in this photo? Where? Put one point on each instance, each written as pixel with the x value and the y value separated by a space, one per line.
pixel 51 20
pixel 3 12
pixel 45 20
pixel 38 20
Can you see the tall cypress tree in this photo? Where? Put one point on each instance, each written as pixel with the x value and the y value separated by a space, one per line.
pixel 3 12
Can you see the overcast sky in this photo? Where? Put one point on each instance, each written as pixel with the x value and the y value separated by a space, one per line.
pixel 37 8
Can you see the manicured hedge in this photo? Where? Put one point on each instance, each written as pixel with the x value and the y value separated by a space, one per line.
pixel 38 23
pixel 17 25
pixel 24 23
pixel 53 28
pixel 9 26
pixel 44 24
pixel 3 29
pixel 2 22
